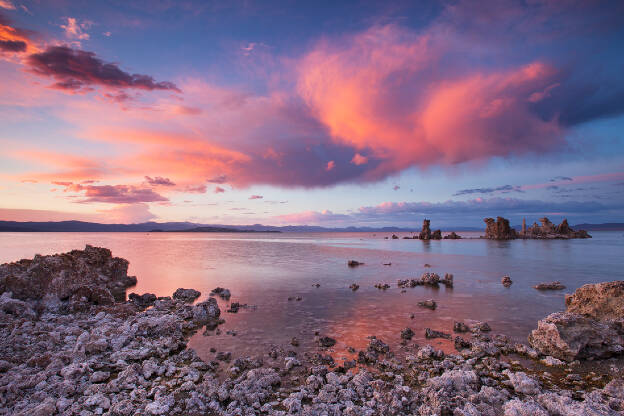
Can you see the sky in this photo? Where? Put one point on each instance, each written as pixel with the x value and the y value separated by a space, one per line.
pixel 346 113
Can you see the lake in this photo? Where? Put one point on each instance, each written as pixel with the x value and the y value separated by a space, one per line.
pixel 265 270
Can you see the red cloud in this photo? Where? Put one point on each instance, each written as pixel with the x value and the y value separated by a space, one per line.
pixel 159 181
pixel 77 70
pixel 118 194
pixel 13 39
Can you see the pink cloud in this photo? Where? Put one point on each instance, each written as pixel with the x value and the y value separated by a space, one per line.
pixel 358 159
pixel 218 190
pixel 256 197
pixel 330 165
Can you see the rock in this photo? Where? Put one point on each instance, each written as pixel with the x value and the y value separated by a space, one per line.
pixel 378 346
pixel 326 342
pixel 142 301
pixel 186 295
pixel 517 407
pixel 425 233
pixel 407 333
pixel 294 342
pixel 15 307
pixel 429 303
pixel 570 336
pixel 481 327
pixel 436 235
pixel 354 263
pixel 460 327
pixel 382 286
pixel 448 280
pixel 206 311
pixel 221 292
pixel 452 236
pixel 92 274
pixel 499 229
pixel 224 356
pixel 552 362
pixel 506 281
pixel 523 383
pixel 395 237
pixel 430 333
pixel 354 286
pixel 598 301
pixel 547 230
pixel 462 344
pixel 549 286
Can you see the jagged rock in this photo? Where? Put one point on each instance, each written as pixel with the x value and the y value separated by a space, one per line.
pixel 425 233
pixel 499 229
pixel 354 286
pixel 549 286
pixel 354 263
pixel 395 237
pixel 207 311
pixel 547 230
pixel 326 342
pixel 506 281
pixel 186 295
pixel 89 276
pixel 598 301
pixel 570 336
pixel 142 301
pixel 407 333
pixel 436 235
pixel 461 344
pixel 460 327
pixel 452 236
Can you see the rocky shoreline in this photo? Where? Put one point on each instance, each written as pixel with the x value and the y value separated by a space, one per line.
pixel 71 344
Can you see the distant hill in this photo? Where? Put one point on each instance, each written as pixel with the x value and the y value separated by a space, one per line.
pixel 81 226
pixel 608 226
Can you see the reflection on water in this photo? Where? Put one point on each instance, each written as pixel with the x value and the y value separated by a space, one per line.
pixel 266 269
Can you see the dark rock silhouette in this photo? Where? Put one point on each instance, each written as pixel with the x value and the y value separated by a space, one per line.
pixel 452 236
pixel 425 233
pixel 547 230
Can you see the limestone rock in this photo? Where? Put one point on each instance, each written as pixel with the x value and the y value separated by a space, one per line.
pixel 599 301
pixel 186 295
pixel 499 229
pixel 570 336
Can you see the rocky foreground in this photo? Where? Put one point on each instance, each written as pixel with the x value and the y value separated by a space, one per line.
pixel 69 344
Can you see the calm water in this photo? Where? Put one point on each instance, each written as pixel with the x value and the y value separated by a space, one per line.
pixel 266 269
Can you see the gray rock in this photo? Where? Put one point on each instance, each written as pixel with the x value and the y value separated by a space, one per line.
pixel 186 295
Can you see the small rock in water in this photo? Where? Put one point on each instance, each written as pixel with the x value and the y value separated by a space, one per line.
pixel 429 303
pixel 221 292
pixel 224 356
pixel 354 263
pixel 294 342
pixel 462 344
pixel 186 295
pixel 549 286
pixel 326 342
pixel 382 286
pixel 460 327
pixel 354 287
pixel 506 281
pixel 387 264
pixel 317 285
pixel 427 265
pixel 481 327
pixel 407 333
pixel 431 333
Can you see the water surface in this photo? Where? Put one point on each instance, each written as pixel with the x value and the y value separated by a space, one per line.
pixel 266 269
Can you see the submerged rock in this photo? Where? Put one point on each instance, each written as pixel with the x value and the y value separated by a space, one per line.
pixel 354 286
pixel 221 292
pixel 549 286
pixel 354 263
pixel 431 333
pixel 429 304
pixel 326 342
pixel 407 333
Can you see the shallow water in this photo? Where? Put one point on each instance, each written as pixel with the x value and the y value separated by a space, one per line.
pixel 266 269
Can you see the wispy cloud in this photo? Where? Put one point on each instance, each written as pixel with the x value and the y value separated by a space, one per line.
pixel 501 189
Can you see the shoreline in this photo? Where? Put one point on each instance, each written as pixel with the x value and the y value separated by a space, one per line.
pixel 82 351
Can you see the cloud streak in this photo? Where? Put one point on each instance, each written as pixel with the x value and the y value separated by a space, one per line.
pixel 79 71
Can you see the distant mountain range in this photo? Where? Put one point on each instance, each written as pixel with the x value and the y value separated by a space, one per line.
pixel 80 226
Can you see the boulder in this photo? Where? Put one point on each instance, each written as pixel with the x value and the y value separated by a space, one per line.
pixel 598 301
pixel 80 277
pixel 499 229
pixel 506 281
pixel 142 301
pixel 452 236
pixel 436 235
pixel 571 336
pixel 557 285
